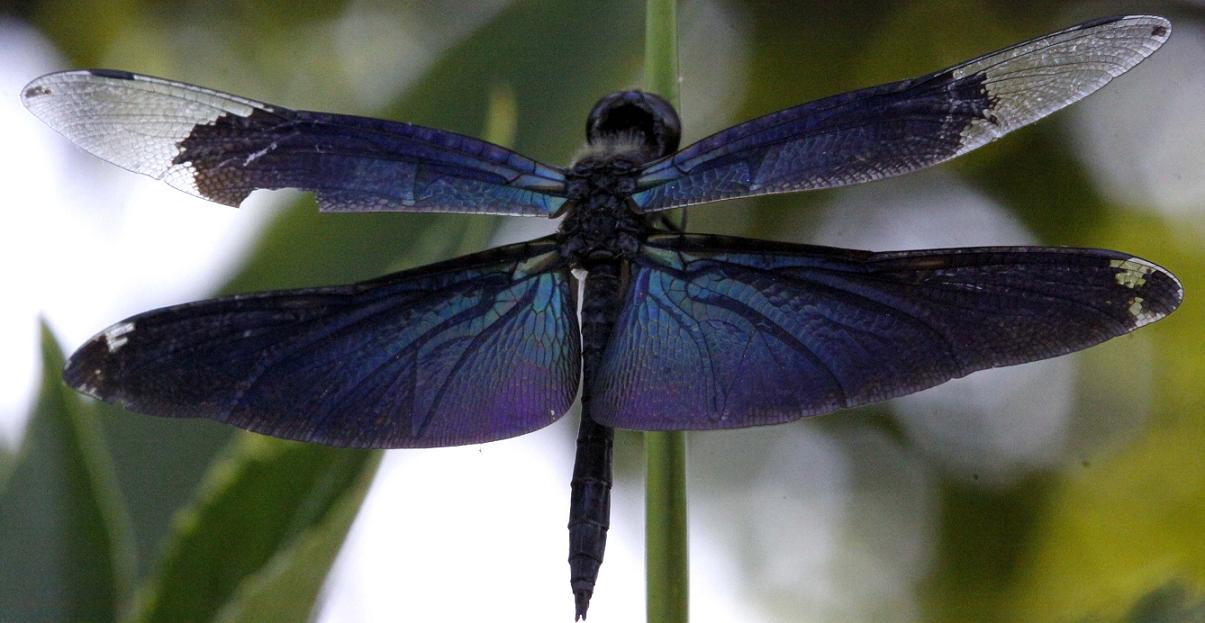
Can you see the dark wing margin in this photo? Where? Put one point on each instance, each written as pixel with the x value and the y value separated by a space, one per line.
pixel 895 128
pixel 475 349
pixel 221 147
pixel 722 332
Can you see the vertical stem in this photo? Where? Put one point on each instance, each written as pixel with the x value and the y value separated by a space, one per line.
pixel 661 49
pixel 666 563
pixel 667 581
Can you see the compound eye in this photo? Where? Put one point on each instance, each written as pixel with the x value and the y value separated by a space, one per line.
pixel 651 120
pixel 666 124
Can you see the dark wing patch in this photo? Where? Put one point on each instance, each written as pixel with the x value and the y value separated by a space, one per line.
pixel 221 147
pixel 471 350
pixel 725 332
pixel 904 126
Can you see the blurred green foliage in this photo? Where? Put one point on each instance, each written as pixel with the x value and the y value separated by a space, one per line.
pixel 64 539
pixel 1116 537
pixel 281 509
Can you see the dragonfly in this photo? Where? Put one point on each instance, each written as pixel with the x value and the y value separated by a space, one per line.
pixel 677 330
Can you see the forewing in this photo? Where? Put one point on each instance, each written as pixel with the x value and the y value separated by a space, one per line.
pixel 904 126
pixel 479 348
pixel 221 147
pixel 725 332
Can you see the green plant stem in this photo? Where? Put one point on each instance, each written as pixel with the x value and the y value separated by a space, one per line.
pixel 661 49
pixel 666 562
pixel 667 568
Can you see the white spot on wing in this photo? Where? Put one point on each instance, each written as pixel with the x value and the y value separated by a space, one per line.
pixel 1136 307
pixel 1142 316
pixel 115 336
pixel 1132 272
pixel 259 154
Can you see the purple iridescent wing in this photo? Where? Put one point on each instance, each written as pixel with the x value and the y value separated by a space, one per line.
pixel 470 350
pixel 725 332
pixel 221 147
pixel 904 126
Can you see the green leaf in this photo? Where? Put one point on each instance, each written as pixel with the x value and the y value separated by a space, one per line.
pixel 270 515
pixel 285 590
pixel 65 553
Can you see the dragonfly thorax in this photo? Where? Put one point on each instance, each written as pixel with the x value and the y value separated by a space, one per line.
pixel 600 225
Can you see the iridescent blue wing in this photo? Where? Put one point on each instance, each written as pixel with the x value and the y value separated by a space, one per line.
pixel 726 332
pixel 471 350
pixel 221 147
pixel 904 126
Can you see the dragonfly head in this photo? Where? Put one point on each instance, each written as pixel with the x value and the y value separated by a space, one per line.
pixel 627 116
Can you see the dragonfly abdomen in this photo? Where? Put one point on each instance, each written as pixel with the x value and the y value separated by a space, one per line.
pixel 590 497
